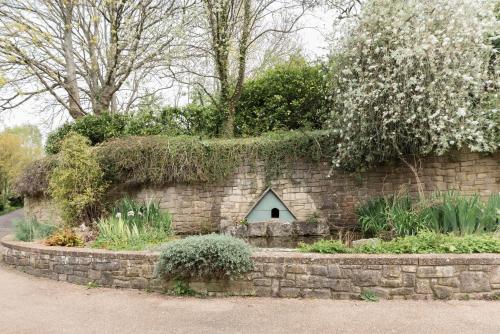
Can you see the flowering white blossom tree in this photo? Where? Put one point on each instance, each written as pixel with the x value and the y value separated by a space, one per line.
pixel 414 77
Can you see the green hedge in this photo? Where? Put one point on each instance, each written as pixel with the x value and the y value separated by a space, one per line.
pixel 187 120
pixel 208 256
pixel 162 160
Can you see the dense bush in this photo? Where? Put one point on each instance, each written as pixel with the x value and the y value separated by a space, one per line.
pixel 161 160
pixel 187 120
pixel 209 256
pixel 30 229
pixel 422 243
pixel 412 79
pixel 400 215
pixel 133 226
pixel 289 96
pixel 76 183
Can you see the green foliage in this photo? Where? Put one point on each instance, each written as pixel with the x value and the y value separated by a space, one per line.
pixel 160 160
pixel 389 216
pixel 96 128
pixel 450 212
pixel 313 219
pixel 399 215
pixel 368 296
pixel 325 246
pixel 133 226
pixel 19 146
pixel 76 183
pixel 30 229
pixel 289 96
pixel 64 237
pixel 422 243
pixel 208 256
pixel 187 120
pixel 181 288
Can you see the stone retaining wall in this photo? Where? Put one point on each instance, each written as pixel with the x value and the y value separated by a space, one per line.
pixel 277 274
pixel 307 188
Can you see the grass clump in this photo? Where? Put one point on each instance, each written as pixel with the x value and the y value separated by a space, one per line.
pixel 423 243
pixel 208 256
pixel 30 229
pixel 133 226
pixel 448 212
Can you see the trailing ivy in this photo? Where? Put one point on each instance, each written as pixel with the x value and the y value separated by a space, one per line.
pixel 162 160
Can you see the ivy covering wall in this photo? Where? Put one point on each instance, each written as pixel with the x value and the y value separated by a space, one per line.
pixel 162 160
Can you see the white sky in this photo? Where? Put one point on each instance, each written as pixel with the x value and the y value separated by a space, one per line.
pixel 312 39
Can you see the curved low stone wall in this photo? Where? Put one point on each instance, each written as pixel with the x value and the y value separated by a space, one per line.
pixel 277 274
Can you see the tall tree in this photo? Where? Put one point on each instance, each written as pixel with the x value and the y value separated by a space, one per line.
pixel 89 56
pixel 19 146
pixel 225 35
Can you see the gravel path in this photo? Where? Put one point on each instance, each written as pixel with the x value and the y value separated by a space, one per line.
pixel 34 305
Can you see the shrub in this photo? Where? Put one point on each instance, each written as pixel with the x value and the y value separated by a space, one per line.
pixel 64 237
pixel 76 184
pixel 422 243
pixel 289 96
pixel 216 256
pixel 412 79
pixel 30 229
pixel 187 120
pixel 95 128
pixel 133 226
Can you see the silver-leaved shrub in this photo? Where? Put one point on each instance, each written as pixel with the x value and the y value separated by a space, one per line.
pixel 207 256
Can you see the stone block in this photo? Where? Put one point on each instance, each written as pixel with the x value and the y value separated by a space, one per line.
pixel 408 279
pixel 409 269
pixel 495 275
pixel 391 271
pixel 334 271
pixel 94 274
pixel 262 282
pixel 289 292
pixel 296 269
pixel 435 271
pixel 274 270
pixel 362 277
pixel 319 270
pixel 317 293
pixel 442 292
pixel 474 281
pixel 340 285
pixel 423 286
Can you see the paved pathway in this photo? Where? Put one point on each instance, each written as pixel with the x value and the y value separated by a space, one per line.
pixel 6 221
pixel 34 305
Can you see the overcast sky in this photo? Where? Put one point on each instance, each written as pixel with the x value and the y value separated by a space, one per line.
pixel 312 39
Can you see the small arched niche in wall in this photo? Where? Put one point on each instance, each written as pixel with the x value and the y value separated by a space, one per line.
pixel 269 206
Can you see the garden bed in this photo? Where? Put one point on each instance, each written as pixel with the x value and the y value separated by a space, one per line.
pixel 276 274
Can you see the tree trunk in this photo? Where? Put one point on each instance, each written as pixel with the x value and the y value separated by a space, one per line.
pixel 71 82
